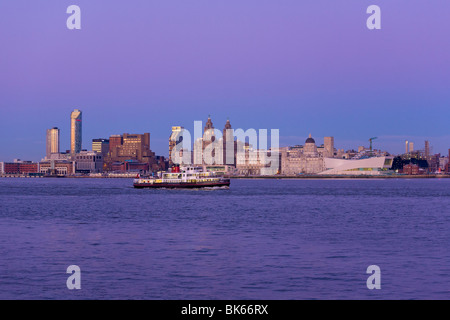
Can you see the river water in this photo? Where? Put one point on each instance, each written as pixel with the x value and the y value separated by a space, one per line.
pixel 261 239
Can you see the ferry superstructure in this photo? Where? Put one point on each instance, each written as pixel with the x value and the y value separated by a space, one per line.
pixel 184 177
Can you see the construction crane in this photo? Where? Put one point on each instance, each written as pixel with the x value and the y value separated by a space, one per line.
pixel 371 139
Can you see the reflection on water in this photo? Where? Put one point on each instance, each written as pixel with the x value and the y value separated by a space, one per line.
pixel 261 239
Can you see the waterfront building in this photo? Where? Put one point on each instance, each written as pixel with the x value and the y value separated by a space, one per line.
pixel 433 162
pixel 214 148
pixel 2 167
pixel 176 140
pixel 163 163
pixel 252 162
pixel 411 169
pixel 20 167
pixel 340 153
pixel 135 147
pixel 130 166
pixel 208 134
pixel 52 146
pixel 100 146
pixel 303 159
pixel 443 161
pixel 56 167
pixel 229 145
pixel 115 141
pixel 62 156
pixel 75 132
pixel 197 153
pixel 88 162
pixel 364 166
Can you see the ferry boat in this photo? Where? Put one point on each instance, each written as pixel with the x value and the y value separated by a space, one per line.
pixel 185 177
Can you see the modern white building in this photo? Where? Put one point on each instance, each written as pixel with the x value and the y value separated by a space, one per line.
pixel 367 166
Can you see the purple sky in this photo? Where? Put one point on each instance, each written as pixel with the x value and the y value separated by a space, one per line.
pixel 298 66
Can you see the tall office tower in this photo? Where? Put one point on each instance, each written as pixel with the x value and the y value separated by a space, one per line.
pixel 406 147
pixel 52 141
pixel 329 147
pixel 75 132
pixel 100 146
pixel 411 147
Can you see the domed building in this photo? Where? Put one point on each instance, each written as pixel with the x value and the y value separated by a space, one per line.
pixel 310 148
pixel 302 159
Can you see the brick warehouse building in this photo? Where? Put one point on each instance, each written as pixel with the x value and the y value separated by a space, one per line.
pixel 20 167
pixel 132 151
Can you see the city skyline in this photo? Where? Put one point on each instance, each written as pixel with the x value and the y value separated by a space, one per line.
pixel 297 67
pixel 75 135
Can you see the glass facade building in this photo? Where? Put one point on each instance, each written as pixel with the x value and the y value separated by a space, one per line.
pixel 75 132
pixel 52 141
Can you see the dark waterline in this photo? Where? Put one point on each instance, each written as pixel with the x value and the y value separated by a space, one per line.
pixel 262 239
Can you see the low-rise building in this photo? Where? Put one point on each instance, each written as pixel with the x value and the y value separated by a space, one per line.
pixel 367 166
pixel 88 162
pixel 411 169
pixel 252 162
pixel 443 161
pixel 20 167
pixel 56 167
pixel 129 166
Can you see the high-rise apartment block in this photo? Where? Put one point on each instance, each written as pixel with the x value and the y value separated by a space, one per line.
pixel 52 142
pixel 75 132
